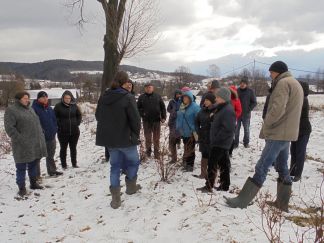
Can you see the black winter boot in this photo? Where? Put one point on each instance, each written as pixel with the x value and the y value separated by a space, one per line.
pixel 131 186
pixel 22 190
pixel 115 194
pixel 34 184
pixel 246 195
pixel 283 196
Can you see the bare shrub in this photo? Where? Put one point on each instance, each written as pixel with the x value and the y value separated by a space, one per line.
pixel 165 169
pixel 311 217
pixel 5 144
pixel 272 218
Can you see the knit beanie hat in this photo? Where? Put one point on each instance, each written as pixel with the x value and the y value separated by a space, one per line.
pixel 278 67
pixel 42 94
pixel 224 93
pixel 211 97
pixel 215 84
pixel 177 91
pixel 185 89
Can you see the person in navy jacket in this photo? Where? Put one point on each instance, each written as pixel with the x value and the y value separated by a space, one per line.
pixel 49 125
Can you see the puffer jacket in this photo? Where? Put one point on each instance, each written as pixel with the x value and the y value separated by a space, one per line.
pixel 223 126
pixel 68 116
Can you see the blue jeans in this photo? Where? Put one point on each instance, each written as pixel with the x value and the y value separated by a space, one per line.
pixel 126 159
pixel 245 120
pixel 21 171
pixel 274 152
pixel 298 154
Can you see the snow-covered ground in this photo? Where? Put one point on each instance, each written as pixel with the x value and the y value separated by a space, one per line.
pixel 75 207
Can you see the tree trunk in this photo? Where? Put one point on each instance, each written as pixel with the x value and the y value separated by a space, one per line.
pixel 111 63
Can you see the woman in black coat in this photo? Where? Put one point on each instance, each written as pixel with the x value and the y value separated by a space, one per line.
pixel 203 122
pixel 68 117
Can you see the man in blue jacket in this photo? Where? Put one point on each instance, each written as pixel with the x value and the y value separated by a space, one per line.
pixel 48 122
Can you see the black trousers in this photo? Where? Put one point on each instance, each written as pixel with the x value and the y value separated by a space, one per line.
pixel 298 155
pixel 218 159
pixel 189 152
pixel 70 140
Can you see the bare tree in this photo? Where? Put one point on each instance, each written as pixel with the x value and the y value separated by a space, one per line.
pixel 9 87
pixel 246 73
pixel 319 77
pixel 183 75
pixel 260 85
pixel 213 71
pixel 130 30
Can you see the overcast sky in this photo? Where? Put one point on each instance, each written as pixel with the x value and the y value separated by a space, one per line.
pixel 192 32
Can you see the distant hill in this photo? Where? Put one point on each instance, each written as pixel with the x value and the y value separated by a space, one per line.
pixel 60 70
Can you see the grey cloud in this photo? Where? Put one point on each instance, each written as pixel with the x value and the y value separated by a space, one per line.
pixel 270 40
pixel 226 32
pixel 293 21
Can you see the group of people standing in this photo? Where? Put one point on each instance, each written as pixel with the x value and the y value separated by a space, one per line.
pixel 214 125
pixel 33 129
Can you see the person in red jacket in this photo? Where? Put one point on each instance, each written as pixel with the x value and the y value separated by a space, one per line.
pixel 236 103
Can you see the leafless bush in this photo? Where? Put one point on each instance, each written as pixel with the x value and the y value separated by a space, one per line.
pixel 272 218
pixel 311 217
pixel 165 169
pixel 201 200
pixel 142 153
pixel 308 224
pixel 5 144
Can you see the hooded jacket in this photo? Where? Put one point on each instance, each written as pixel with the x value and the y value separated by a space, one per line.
pixel 47 119
pixel 118 119
pixel 283 113
pixel 186 117
pixel 68 116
